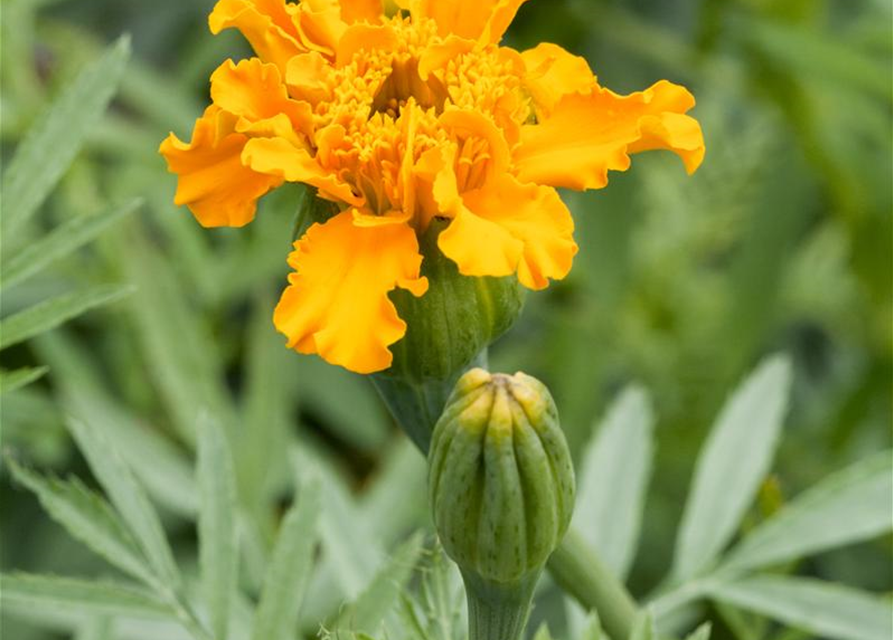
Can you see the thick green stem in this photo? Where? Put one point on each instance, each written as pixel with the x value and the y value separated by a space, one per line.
pixel 498 612
pixel 577 569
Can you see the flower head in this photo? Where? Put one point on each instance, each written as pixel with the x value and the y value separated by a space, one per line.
pixel 400 119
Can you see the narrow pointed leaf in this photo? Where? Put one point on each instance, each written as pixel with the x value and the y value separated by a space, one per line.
pixel 821 608
pixel 53 142
pixel 218 555
pixel 59 243
pixel 12 380
pixel 87 517
pixel 42 592
pixel 289 569
pixel 382 594
pixel 53 312
pixel 731 466
pixel 614 477
pixel 129 499
pixel 852 505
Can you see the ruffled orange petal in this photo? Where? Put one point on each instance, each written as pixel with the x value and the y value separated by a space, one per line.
pixel 588 135
pixel 320 26
pixel 266 24
pixel 482 20
pixel 361 10
pixel 254 91
pixel 279 157
pixel 337 301
pixel 364 37
pixel 212 181
pixel 552 73
pixel 309 77
pixel 507 227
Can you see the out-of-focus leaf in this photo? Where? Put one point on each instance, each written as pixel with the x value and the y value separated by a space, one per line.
pixel 41 593
pixel 731 466
pixel 543 633
pixel 12 380
pixel 87 517
pixel 289 569
pixel 60 242
pixel 218 550
pixel 346 400
pixel 382 594
pixel 701 633
pixel 262 453
pixel 53 312
pixel 822 608
pixel 614 476
pixel 815 55
pixel 352 558
pixel 399 491
pixel 852 505
pixel 51 145
pixel 162 468
pixel 643 627
pixel 183 359
pixel 592 628
pixel 99 628
pixel 128 497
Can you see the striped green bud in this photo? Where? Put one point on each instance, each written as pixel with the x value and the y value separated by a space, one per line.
pixel 501 486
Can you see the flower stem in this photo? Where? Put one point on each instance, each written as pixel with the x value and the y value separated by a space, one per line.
pixel 578 571
pixel 498 612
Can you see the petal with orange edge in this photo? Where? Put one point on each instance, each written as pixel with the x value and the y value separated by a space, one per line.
pixel 483 20
pixel 278 157
pixel 266 24
pixel 507 227
pixel 320 26
pixel 212 181
pixel 552 73
pixel 337 301
pixel 361 10
pixel 588 135
pixel 254 91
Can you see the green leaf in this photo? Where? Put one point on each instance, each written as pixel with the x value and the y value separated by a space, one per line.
pixel 701 633
pixel 543 633
pixel 614 475
pixel 161 467
pixel 51 313
pixel 129 499
pixel 183 359
pixel 12 380
pixel 592 628
pixel 731 465
pixel 50 146
pixel 87 517
pixel 822 608
pixel 218 557
pixel 60 242
pixel 847 507
pixel 289 569
pixel 382 594
pixel 643 627
pixel 41 593
pixel 99 628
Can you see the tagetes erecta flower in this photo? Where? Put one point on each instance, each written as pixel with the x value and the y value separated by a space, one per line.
pixel 399 120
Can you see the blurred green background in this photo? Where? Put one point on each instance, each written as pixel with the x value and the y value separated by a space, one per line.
pixel 781 242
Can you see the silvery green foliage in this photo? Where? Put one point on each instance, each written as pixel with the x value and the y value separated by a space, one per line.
pixel 38 163
pixel 714 561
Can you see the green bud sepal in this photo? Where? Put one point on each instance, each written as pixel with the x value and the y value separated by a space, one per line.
pixel 501 487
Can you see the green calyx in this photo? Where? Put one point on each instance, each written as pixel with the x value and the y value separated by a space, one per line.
pixel 501 487
pixel 456 319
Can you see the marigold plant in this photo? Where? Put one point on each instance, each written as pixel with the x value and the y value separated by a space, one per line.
pixel 400 115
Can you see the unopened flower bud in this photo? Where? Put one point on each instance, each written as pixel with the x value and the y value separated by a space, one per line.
pixel 501 486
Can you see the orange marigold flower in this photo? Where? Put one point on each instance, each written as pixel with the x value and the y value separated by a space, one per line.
pixel 399 119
